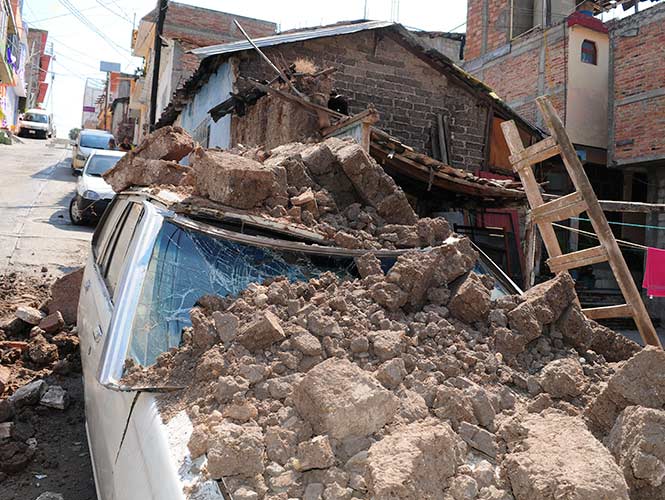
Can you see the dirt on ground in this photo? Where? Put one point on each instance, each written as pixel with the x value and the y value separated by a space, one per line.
pixel 43 444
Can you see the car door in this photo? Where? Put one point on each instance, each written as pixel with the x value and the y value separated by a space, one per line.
pixel 106 410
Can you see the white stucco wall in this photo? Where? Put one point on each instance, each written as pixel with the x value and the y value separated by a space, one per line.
pixel 195 113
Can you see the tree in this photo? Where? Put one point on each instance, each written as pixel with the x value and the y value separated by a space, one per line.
pixel 74 133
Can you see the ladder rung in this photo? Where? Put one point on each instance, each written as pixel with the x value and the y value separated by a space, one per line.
pixel 559 209
pixel 536 153
pixel 577 259
pixel 619 311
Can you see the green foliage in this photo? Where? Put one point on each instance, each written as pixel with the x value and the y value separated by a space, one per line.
pixel 74 133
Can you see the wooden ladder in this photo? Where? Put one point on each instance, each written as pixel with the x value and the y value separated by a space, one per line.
pixel 582 200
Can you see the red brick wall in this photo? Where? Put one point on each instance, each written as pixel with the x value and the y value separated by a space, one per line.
pixel 496 27
pixel 407 92
pixel 515 76
pixel 638 50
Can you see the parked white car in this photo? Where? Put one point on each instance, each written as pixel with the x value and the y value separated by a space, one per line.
pixel 36 123
pixel 88 141
pixel 93 193
pixel 148 266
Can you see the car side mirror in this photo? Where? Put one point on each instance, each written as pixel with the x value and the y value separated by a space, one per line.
pixel 78 173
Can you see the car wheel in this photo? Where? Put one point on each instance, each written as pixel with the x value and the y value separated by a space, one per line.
pixel 75 212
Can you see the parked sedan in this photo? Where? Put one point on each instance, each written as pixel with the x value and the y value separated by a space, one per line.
pixel 148 266
pixel 88 141
pixel 93 194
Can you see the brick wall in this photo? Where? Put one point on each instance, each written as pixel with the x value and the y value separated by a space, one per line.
pixel 535 65
pixel 408 93
pixel 638 88
pixel 487 26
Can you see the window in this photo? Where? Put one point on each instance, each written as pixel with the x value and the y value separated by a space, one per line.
pixel 589 52
pixel 112 239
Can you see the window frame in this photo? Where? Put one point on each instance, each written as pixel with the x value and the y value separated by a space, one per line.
pixel 589 48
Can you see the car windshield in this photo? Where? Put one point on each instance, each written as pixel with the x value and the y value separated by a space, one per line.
pixel 35 117
pixel 99 164
pixel 186 265
pixel 95 141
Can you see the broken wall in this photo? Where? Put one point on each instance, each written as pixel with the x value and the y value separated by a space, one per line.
pixel 374 69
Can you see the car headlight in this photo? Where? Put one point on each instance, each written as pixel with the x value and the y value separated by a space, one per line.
pixel 81 157
pixel 91 195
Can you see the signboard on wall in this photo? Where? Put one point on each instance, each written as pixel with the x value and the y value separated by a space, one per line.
pixel 107 66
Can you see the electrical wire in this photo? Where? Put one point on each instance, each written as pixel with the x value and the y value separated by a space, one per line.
pixel 88 24
pixel 628 244
pixel 124 18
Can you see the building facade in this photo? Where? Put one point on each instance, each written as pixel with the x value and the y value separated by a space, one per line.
pixel 13 47
pixel 37 64
pixel 186 27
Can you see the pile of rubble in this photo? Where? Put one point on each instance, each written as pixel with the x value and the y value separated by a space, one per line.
pixel 37 341
pixel 415 384
pixel 333 187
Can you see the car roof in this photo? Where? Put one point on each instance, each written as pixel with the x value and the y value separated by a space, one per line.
pixel 93 131
pixel 38 111
pixel 107 152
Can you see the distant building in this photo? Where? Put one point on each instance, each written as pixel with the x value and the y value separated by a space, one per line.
pixel 37 62
pixel 186 27
pixel 449 44
pixel 13 52
pixel 94 90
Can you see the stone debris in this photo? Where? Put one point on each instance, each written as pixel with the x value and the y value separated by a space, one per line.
pixel 553 455
pixel 64 298
pixel 29 315
pixel 410 381
pixel 54 397
pixel 637 442
pixel 639 381
pixel 377 388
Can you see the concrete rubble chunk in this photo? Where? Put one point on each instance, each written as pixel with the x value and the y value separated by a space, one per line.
pixel 166 143
pixel 142 172
pixel 49 495
pixel 554 455
pixel 5 377
pixel 262 333
pixel 638 445
pixel 204 333
pixel 6 429
pixel 29 315
pixel 54 397
pixel 563 378
pixel 29 394
pixel 478 439
pixel 414 461
pixel 65 293
pixel 235 450
pixel 226 325
pixel 374 186
pixel 640 381
pixel 52 323
pixel 315 454
pixel 340 399
pixel 237 181
pixel 470 302
pixel 368 265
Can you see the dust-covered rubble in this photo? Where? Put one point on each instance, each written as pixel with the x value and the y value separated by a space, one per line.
pixel 36 343
pixel 413 383
pixel 373 388
pixel 333 188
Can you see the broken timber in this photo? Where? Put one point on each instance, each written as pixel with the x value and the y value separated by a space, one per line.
pixel 582 200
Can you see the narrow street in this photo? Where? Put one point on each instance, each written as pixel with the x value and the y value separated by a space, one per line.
pixel 35 230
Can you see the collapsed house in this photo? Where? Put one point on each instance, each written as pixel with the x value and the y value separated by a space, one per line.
pixel 411 378
pixel 431 126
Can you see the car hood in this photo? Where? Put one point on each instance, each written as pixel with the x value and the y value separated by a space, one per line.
pixel 96 184
pixel 35 125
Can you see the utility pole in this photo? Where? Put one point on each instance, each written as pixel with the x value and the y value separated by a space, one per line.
pixel 162 5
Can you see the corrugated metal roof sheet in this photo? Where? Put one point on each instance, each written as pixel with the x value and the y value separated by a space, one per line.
pixel 295 36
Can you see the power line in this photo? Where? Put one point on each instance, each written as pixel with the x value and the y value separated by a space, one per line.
pixel 124 18
pixel 86 22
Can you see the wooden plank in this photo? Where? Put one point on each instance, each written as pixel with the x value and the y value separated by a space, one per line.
pixel 574 260
pixel 443 143
pixel 563 208
pixel 547 148
pixel 370 114
pixel 599 223
pixel 531 188
pixel 622 206
pixel 295 99
pixel 530 238
pixel 608 312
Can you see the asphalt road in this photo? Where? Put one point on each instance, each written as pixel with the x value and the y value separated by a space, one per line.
pixel 36 185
